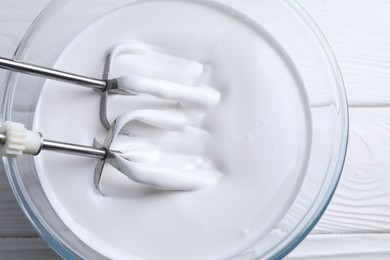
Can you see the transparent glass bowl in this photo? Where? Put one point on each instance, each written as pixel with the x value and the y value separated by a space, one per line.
pixel 285 21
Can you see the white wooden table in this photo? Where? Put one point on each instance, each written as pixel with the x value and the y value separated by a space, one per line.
pixel 357 223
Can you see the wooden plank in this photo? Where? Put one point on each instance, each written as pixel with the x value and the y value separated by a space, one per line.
pixel 12 220
pixel 362 201
pixel 358 32
pixel 25 248
pixel 354 247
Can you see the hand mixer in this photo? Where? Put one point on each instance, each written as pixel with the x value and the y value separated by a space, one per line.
pixel 16 140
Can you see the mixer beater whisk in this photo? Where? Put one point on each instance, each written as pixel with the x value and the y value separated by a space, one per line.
pixel 16 140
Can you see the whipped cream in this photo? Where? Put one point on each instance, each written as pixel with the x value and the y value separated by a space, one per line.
pixel 143 160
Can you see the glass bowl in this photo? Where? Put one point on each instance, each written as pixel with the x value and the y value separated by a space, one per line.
pixel 290 27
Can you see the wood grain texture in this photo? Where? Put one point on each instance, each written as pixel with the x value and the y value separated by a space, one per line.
pixel 359 213
pixel 359 35
pixel 12 220
pixel 345 247
pixel 25 248
pixel 358 32
pixel 362 201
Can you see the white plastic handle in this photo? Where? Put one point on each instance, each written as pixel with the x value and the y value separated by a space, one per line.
pixel 17 140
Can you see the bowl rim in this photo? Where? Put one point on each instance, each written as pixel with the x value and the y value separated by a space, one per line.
pixel 344 133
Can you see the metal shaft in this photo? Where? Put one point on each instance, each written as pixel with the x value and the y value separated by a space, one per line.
pixel 80 150
pixel 52 74
pixel 74 149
